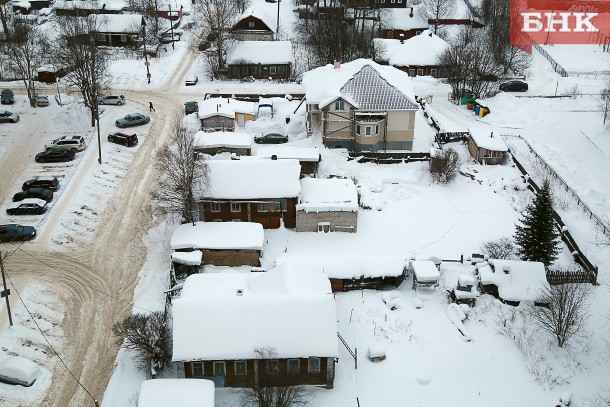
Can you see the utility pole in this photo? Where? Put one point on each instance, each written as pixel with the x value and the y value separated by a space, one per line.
pixel 5 292
pixel 145 53
pixel 277 30
pixel 171 25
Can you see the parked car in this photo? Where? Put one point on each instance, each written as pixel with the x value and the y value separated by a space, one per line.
pixel 132 119
pixel 40 193
pixel 42 100
pixel 55 155
pixel 74 143
pixel 18 370
pixel 513 86
pixel 211 36
pixel 191 80
pixel 43 181
pixel 191 107
pixel 29 206
pixel 121 137
pixel 204 46
pixel 118 100
pixel 7 97
pixel 271 138
pixel 8 117
pixel 13 232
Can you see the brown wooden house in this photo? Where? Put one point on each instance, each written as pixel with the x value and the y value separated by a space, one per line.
pixel 486 148
pixel 217 142
pixel 260 60
pixel 122 30
pixel 25 8
pixel 254 25
pixel 250 190
pixel 249 329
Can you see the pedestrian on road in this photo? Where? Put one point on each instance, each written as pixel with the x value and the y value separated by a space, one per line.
pixel 150 107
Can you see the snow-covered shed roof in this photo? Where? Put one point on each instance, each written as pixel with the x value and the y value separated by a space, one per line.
pixel 347 265
pixel 113 5
pixel 176 392
pixel 516 280
pixel 262 15
pixel 403 19
pixel 292 312
pixel 218 235
pixel 215 107
pixel 425 270
pixel 485 139
pixel 261 52
pixel 189 258
pixel 117 23
pixel 362 83
pixel 222 139
pixel 332 194
pixel 251 179
pixel 421 50
pixel 290 152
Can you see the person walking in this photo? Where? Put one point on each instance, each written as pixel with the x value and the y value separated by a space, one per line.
pixel 151 107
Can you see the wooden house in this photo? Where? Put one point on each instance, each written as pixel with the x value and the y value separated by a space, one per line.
pixel 403 23
pixel 513 281
pixel 308 157
pixel 122 30
pixel 176 392
pixel 250 190
pixel 486 148
pixel 221 114
pixel 361 106
pixel 391 3
pixel 84 8
pixel 219 243
pixel 260 60
pixel 249 329
pixel 27 7
pixel 50 73
pixel 254 25
pixel 223 142
pixel 327 205
pixel 351 271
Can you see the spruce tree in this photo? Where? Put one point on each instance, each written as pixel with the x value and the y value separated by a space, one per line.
pixel 536 237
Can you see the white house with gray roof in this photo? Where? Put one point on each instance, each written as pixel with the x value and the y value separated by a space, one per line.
pixel 361 106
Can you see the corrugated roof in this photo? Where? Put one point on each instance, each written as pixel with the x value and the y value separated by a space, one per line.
pixel 385 96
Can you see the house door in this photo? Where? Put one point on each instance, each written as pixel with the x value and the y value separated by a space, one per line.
pixel 241 120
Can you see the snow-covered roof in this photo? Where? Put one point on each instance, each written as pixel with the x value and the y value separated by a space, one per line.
pixel 117 23
pixel 189 258
pixel 251 179
pixel 261 52
pixel 333 194
pixel 363 83
pixel 290 152
pixel 485 139
pixel 226 107
pixel 516 280
pixel 421 50
pixel 113 5
pixel 425 270
pixel 222 139
pixel 176 392
pixel 294 313
pixel 218 235
pixel 262 15
pixel 36 201
pixel 400 19
pixel 347 265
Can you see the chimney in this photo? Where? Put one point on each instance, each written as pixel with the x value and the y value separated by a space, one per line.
pixel 430 34
pixel 411 12
pixel 337 64
pixel 491 135
pixel 402 38
pixel 239 292
pixel 274 157
pixel 228 100
pixel 217 106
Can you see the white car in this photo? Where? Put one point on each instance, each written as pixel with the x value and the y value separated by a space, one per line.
pixel 8 117
pixel 74 143
pixel 18 370
pixel 42 100
pixel 118 100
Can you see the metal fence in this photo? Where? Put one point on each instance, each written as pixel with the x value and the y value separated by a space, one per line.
pixel 556 67
pixel 387 157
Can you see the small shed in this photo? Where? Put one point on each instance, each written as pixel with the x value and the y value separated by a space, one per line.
pixel 513 281
pixel 308 157
pixel 176 392
pixel 50 73
pixel 327 205
pixel 216 114
pixel 221 243
pixel 486 148
pixel 425 273
pixel 223 141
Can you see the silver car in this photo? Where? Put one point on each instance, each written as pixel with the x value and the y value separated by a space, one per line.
pixel 8 117
pixel 74 143
pixel 118 100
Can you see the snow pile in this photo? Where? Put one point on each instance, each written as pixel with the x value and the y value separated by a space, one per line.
pixel 218 236
pixel 20 369
pixel 425 270
pixel 421 50
pixel 516 280
pixel 176 392
pixel 332 194
pixel 377 351
pixel 222 139
pixel 189 258
pixel 456 315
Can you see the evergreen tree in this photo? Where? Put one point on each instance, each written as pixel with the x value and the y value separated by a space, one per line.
pixel 536 237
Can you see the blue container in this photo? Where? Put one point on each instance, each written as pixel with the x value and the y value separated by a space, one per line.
pixel 476 109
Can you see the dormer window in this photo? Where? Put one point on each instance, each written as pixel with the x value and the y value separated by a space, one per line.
pixel 339 105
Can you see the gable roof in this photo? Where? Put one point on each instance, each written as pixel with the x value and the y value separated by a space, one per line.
pixel 421 50
pixel 261 52
pixel 401 19
pixel 363 83
pixel 260 14
pixel 117 23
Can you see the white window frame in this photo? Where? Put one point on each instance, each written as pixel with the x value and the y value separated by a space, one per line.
pixel 215 207
pixel 420 72
pixel 250 24
pixel 368 131
pixel 260 206
pixel 310 369
pixel 339 105
pixel 245 364
pixel 433 72
pixel 224 368
pixel 272 70
pixel 199 364
pixel 411 72
pixel 235 207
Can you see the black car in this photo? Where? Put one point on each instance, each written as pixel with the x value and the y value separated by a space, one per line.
pixel 271 138
pixel 124 138
pixel 204 46
pixel 55 155
pixel 13 232
pixel 29 206
pixel 41 182
pixel 513 86
pixel 40 193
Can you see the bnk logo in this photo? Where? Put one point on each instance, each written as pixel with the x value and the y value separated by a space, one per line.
pixel 559 22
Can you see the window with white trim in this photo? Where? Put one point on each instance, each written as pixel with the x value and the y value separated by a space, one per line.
pixel 241 367
pixel 420 72
pixel 411 72
pixel 433 72
pixel 272 70
pixel 219 368
pixel 313 365
pixel 368 131
pixel 250 24
pixel 339 105
pixel 264 207
pixel 235 207
pixel 214 207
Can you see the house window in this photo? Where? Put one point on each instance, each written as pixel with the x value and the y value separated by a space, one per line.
pixel 214 206
pixel 433 72
pixel 399 1
pixel 339 105
pixel 236 70
pixel 123 38
pixel 313 365
pixel 358 129
pixel 273 367
pixel 411 72
pixel 279 205
pixel 393 1
pixel 282 69
pixel 272 70
pixel 293 366
pixel 264 207
pixel 235 207
pixel 219 368
pixel 250 24
pixel 197 369
pixel 420 72
pixel 240 367
pixel 377 129
pixel 390 34
pixel 443 73
pixel 367 131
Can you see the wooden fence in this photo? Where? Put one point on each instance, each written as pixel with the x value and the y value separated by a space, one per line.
pixel 382 157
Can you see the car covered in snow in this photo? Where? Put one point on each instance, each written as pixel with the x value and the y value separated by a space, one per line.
pixel 28 206
pixel 18 370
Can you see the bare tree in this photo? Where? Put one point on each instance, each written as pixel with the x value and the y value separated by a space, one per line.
pixel 27 53
pixel 436 10
pixel 265 394
pixel 566 312
pixel 180 170
pixel 502 248
pixel 5 18
pixel 444 165
pixel 149 336
pixel 604 97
